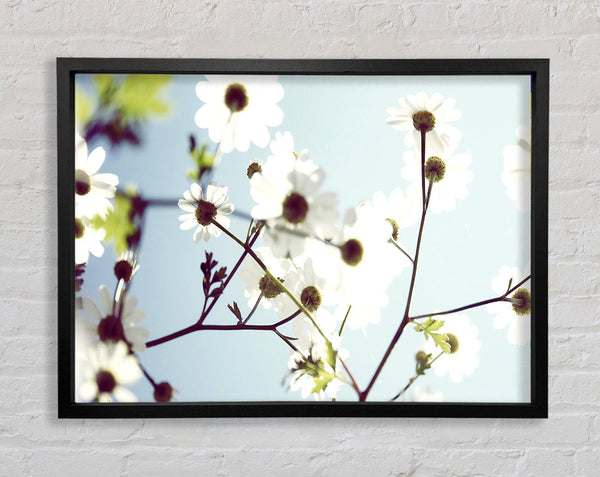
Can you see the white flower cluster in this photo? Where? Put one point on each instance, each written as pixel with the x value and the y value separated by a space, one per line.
pixel 106 339
pixel 441 141
pixel 92 193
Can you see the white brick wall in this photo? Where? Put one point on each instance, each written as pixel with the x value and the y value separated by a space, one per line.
pixel 34 442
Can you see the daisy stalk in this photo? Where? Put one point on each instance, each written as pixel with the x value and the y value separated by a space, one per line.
pixel 415 263
pixel 503 297
pixel 285 290
pixel 414 378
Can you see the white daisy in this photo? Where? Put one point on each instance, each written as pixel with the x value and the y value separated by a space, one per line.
pixel 92 190
pixel 257 282
pixel 126 266
pixel 462 360
pixel 366 263
pixel 238 109
pixel 202 210
pixel 431 113
pixel 519 326
pixel 107 327
pixel 517 169
pixel 397 212
pixel 283 146
pixel 448 190
pixel 108 368
pixel 287 199
pixel 87 240
pixel 318 370
pixel 398 208
pixel 312 289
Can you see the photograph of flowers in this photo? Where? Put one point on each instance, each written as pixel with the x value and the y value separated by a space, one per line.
pixel 304 239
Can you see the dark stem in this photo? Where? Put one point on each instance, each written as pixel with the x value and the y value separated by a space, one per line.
pixel 395 244
pixel 405 319
pixel 473 305
pixel 414 378
pixel 247 249
pixel 344 322
pixel 236 327
pixel 148 377
pixel 423 165
pixel 254 308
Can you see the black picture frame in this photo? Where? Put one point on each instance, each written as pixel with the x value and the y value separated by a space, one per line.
pixel 538 69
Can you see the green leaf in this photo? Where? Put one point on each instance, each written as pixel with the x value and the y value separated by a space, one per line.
pixel 139 96
pixel 321 382
pixel 441 340
pixel 429 327
pixel 330 354
pixel 117 224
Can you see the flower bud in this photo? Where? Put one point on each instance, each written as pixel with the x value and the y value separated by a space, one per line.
pixel 163 392
pixel 521 302
pixel 435 169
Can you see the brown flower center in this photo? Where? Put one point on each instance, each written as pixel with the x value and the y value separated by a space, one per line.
pixel 106 381
pixel 110 328
pixel 205 212
pixel 236 97
pixel 295 208
pixel 435 169
pixel 352 252
pixel 423 121
pixel 79 228
pixel 453 342
pixel 123 270
pixel 253 169
pixel 163 392
pixel 395 228
pixel 268 287
pixel 82 182
pixel 311 298
pixel 522 302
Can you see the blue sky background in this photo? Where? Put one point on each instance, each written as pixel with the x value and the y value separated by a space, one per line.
pixel 341 121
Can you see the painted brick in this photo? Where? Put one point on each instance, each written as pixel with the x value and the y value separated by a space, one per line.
pixel 34 33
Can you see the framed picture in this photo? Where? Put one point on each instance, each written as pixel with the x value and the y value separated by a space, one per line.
pixel 302 237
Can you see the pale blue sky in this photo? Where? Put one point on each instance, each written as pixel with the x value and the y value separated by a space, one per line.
pixel 341 121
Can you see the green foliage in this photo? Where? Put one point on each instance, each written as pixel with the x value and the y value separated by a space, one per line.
pixel 330 354
pixel 429 328
pixel 83 107
pixel 423 362
pixel 118 225
pixel 321 382
pixel 203 161
pixel 139 96
pixel 136 97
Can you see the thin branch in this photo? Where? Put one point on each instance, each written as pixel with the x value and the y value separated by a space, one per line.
pixel 247 249
pixel 363 395
pixel 344 322
pixel 236 327
pixel 414 378
pixel 254 308
pixel 473 305
pixel 395 244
